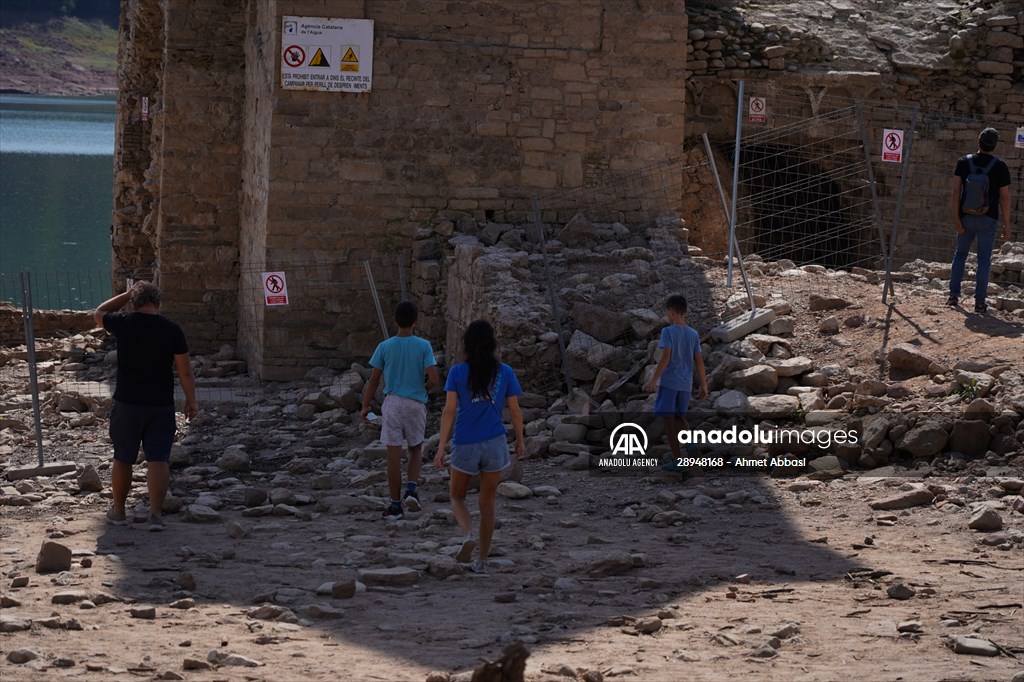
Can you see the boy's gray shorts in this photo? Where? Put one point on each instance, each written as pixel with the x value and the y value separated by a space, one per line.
pixel 403 421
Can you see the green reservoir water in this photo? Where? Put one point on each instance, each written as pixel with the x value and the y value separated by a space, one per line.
pixel 56 198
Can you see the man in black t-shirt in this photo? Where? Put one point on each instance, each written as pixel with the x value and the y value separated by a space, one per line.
pixel 983 227
pixel 149 348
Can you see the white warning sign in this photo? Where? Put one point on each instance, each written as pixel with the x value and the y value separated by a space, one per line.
pixel 333 55
pixel 892 145
pixel 1019 144
pixel 275 288
pixel 756 110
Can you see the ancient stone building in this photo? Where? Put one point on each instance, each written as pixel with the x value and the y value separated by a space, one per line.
pixel 475 108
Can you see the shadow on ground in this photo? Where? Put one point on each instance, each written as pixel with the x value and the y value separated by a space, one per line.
pixel 565 569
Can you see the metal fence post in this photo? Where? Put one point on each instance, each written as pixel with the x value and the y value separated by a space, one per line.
pixel 30 344
pixel 731 218
pixel 871 178
pixel 908 138
pixel 376 300
pixel 735 181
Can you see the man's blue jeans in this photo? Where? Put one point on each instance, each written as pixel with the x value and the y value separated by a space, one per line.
pixel 984 229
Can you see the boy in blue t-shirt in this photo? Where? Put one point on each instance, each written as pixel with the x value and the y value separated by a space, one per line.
pixel 406 362
pixel 680 359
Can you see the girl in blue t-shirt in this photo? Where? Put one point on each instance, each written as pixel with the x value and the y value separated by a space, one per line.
pixel 477 391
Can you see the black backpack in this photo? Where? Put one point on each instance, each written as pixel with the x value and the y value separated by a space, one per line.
pixel 974 199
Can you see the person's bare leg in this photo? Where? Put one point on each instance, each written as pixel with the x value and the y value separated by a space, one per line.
pixel 415 463
pixel 158 480
pixel 395 471
pixel 672 434
pixel 457 487
pixel 489 481
pixel 120 484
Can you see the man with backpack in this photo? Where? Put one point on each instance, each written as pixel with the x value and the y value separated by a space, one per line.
pixel 981 197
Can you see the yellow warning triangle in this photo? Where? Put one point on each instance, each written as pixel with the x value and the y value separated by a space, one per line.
pixel 350 57
pixel 319 59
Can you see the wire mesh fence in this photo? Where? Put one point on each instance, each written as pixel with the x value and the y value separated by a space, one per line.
pixel 78 290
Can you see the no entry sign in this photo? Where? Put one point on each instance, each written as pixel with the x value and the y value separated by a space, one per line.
pixel 275 288
pixel 756 110
pixel 892 145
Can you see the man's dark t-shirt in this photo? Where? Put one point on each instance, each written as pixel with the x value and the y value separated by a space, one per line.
pixel 146 346
pixel 998 177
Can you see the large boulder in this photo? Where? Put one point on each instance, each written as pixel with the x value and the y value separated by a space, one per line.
pixel 791 367
pixel 731 402
pixel 585 355
pixel 644 322
pixel 970 437
pixel 906 358
pixel 818 302
pixel 579 231
pixel 772 406
pixel 756 379
pixel 53 558
pixel 603 324
pixel 924 440
pixel 874 430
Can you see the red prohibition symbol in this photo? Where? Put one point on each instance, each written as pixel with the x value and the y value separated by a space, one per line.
pixel 893 141
pixel 274 284
pixel 294 56
pixel 757 104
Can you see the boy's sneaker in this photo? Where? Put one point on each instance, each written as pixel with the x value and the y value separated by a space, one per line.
pixel 156 524
pixel 466 551
pixel 412 501
pixel 953 301
pixel 980 308
pixel 478 567
pixel 115 520
pixel 393 512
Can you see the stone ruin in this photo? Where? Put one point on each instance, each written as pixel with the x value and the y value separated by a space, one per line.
pixel 607 280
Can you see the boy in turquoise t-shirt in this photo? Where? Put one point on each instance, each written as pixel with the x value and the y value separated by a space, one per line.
pixel 406 362
pixel 680 360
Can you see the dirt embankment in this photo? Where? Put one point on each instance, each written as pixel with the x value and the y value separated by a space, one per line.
pixel 61 57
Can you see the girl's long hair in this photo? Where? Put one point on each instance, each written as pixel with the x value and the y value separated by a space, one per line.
pixel 481 348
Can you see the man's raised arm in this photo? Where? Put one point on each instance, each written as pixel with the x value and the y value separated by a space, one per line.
pixel 111 305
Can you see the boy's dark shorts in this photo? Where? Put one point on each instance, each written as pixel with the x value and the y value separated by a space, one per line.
pixel 153 427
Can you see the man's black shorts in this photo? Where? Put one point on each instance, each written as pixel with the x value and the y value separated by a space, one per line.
pixel 152 427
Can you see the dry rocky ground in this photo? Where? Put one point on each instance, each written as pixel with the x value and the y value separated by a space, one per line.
pixel 276 565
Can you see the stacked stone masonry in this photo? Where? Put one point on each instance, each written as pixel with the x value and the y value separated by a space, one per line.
pixel 474 108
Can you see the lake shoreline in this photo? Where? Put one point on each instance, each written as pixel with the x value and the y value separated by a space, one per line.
pixel 64 57
pixel 79 91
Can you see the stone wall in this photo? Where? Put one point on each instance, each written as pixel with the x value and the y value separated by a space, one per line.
pixel 474 108
pixel 133 229
pixel 200 167
pixel 977 80
pixel 45 323
pixel 178 179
